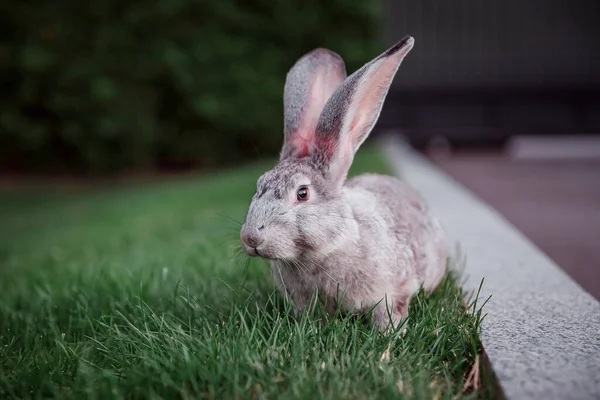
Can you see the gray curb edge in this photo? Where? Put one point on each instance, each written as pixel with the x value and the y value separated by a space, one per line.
pixel 541 333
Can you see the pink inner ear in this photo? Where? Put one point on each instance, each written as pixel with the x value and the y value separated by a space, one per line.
pixel 306 141
pixel 324 82
pixel 371 99
pixel 301 142
pixel 326 145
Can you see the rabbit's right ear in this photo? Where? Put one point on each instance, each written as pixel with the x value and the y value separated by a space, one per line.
pixel 308 86
pixel 352 111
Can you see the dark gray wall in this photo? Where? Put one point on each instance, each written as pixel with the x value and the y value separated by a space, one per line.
pixel 482 43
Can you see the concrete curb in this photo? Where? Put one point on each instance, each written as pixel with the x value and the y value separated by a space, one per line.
pixel 542 331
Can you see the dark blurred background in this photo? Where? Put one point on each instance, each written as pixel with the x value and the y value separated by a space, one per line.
pixel 118 85
pixel 483 71
pixel 509 90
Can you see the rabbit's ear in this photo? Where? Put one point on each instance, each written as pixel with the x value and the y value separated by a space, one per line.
pixel 308 86
pixel 353 109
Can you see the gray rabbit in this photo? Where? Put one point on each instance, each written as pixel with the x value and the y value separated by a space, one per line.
pixel 364 243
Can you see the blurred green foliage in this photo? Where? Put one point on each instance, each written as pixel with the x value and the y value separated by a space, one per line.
pixel 120 84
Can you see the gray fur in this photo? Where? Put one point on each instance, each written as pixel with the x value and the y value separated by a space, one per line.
pixel 369 242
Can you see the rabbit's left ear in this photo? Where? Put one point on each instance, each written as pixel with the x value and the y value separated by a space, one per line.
pixel 308 85
pixel 353 109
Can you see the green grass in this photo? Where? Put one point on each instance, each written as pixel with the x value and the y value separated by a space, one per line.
pixel 137 291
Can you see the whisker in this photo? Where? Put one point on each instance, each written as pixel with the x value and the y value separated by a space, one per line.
pixel 245 269
pixel 282 281
pixel 228 217
pixel 239 254
pixel 299 266
pixel 233 224
pixel 327 273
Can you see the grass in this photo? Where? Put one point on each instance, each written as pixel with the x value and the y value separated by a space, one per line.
pixel 137 291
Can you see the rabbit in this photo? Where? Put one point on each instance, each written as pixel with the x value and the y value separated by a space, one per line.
pixel 365 244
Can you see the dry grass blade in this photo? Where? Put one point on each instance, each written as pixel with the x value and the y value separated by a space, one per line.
pixel 440 388
pixel 404 390
pixel 473 380
pixel 385 356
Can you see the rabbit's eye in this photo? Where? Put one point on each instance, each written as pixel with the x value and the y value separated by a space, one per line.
pixel 302 194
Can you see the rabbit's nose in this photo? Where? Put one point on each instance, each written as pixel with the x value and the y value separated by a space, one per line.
pixel 251 237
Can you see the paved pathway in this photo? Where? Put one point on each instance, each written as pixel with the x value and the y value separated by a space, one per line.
pixel 554 202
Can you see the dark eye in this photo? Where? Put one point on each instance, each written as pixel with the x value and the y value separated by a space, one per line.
pixel 302 194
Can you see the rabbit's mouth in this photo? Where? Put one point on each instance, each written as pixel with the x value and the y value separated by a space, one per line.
pixel 258 252
pixel 251 251
pixel 262 254
pixel 255 252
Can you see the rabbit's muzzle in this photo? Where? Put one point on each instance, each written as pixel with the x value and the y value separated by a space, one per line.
pixel 251 239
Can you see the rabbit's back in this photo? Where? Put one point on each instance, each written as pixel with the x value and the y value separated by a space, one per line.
pixel 410 221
